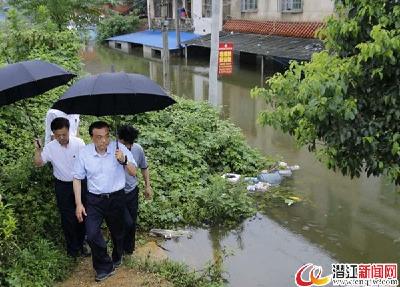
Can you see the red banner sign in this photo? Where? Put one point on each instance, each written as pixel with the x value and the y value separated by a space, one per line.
pixel 225 59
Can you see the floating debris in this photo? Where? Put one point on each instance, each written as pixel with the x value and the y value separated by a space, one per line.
pixel 285 172
pixel 268 178
pixel 294 167
pixel 260 186
pixel 273 178
pixel 231 177
pixel 251 180
pixel 282 164
pixel 168 233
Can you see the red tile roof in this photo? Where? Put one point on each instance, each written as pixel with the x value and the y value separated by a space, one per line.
pixel 121 9
pixel 287 29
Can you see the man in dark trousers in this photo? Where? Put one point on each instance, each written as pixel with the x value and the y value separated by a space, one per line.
pixel 103 163
pixel 62 152
pixel 128 135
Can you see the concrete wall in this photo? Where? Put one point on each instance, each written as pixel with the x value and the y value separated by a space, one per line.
pixel 202 25
pixel 313 11
pixel 147 52
pixel 120 46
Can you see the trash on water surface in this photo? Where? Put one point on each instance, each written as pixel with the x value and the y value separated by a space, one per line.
pixel 294 167
pixel 285 172
pixel 273 178
pixel 260 186
pixel 169 233
pixel 231 177
pixel 282 164
pixel 252 180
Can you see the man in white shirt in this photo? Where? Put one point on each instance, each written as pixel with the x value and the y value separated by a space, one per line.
pixel 51 115
pixel 104 165
pixel 62 153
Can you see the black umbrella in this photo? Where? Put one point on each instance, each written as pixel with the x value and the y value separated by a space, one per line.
pixel 113 94
pixel 30 78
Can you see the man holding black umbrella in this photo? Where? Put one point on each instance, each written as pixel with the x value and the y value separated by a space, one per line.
pixel 51 115
pixel 103 163
pixel 62 153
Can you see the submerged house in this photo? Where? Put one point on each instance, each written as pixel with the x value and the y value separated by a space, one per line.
pixel 151 40
pixel 281 30
pixel 277 30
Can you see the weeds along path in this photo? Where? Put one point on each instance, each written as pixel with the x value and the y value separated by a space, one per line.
pixel 83 275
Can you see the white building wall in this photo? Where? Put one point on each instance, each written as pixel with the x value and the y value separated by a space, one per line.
pixel 269 10
pixel 202 25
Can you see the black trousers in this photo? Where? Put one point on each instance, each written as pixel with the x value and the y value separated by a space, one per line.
pixel 111 209
pixel 131 212
pixel 74 232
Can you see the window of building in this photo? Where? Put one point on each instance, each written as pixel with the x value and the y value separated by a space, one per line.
pixel 207 9
pixel 249 5
pixel 158 7
pixel 292 5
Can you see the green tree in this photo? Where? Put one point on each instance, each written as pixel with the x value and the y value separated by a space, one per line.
pixel 345 104
pixel 82 13
pixel 116 25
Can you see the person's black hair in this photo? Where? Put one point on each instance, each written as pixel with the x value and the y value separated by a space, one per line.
pixel 97 125
pixel 59 123
pixel 128 134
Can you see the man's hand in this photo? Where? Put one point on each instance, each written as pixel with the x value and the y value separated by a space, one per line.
pixel 148 192
pixel 80 212
pixel 119 155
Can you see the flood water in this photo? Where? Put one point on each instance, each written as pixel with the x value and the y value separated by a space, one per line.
pixel 340 219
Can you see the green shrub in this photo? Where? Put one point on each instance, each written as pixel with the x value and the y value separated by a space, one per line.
pixel 115 25
pixel 40 264
pixel 189 147
pixel 178 273
pixel 7 237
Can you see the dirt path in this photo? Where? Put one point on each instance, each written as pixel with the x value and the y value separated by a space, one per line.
pixel 83 275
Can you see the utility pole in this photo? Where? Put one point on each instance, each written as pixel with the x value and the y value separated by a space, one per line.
pixel 213 75
pixel 165 52
pixel 148 15
pixel 177 20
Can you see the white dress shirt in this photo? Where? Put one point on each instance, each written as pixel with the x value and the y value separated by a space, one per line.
pixel 103 172
pixel 51 115
pixel 62 158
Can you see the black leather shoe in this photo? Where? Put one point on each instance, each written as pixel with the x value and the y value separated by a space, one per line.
pixel 104 275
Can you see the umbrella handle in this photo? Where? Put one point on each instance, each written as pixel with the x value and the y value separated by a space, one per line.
pixel 30 120
pixel 38 143
pixel 116 122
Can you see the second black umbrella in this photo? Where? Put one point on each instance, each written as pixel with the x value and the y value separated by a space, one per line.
pixel 113 94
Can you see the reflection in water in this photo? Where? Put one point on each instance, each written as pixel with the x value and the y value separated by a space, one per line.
pixel 265 254
pixel 354 220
